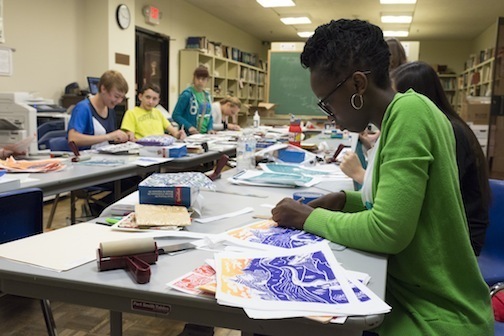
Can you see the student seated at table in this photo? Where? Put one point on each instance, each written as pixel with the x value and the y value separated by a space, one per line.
pixel 471 162
pixel 222 110
pixel 93 120
pixel 146 119
pixel 193 110
pixel 411 208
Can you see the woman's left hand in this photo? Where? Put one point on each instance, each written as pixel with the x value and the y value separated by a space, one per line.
pixel 291 213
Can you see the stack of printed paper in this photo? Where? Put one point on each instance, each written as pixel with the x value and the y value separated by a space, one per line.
pixel 309 279
pixel 284 266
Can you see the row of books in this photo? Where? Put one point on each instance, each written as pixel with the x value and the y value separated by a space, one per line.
pixel 475 59
pixel 220 50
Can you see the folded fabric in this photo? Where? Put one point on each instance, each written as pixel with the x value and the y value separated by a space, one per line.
pixel 156 140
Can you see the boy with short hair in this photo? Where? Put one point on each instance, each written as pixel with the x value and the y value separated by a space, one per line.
pixel 146 119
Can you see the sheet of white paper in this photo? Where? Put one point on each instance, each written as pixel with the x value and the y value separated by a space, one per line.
pixel 150 161
pixel 61 250
pixel 228 215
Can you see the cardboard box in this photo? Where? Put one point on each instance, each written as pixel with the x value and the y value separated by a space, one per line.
pixel 481 131
pixel 173 151
pixel 476 110
pixel 266 110
pixel 291 155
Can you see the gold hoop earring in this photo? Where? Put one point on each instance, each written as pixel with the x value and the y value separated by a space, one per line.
pixel 352 101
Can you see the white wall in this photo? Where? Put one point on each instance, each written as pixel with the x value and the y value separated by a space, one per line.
pixel 48 38
pixel 62 41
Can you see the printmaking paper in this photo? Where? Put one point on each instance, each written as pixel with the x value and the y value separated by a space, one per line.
pixel 190 282
pixel 266 235
pixel 309 277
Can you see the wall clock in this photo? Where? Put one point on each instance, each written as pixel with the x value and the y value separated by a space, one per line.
pixel 123 16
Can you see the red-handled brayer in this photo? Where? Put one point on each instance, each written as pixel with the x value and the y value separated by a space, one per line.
pixel 135 255
pixel 216 174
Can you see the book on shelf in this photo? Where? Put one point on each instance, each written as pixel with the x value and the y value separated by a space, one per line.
pixel 197 42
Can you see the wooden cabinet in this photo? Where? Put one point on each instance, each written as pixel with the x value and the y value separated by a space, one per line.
pixel 227 77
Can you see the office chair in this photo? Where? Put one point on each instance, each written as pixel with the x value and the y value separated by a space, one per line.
pixel 491 258
pixel 18 223
pixel 43 142
pixel 60 144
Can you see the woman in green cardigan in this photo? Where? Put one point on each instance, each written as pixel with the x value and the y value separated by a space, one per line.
pixel 410 206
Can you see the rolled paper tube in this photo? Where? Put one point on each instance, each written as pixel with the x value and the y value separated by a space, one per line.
pixel 127 247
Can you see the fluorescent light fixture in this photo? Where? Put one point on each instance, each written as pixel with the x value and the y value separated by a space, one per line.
pixel 396 18
pixel 276 3
pixel 395 33
pixel 295 20
pixel 305 34
pixel 397 2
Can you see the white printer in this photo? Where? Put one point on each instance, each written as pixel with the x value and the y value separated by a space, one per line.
pixel 18 120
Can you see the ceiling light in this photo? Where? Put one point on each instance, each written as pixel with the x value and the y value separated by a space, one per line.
pixel 276 3
pixel 396 18
pixel 295 20
pixel 395 33
pixel 397 2
pixel 305 34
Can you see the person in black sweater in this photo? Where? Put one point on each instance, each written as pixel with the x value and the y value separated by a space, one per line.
pixel 471 162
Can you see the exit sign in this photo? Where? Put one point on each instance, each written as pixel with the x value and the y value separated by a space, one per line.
pixel 152 14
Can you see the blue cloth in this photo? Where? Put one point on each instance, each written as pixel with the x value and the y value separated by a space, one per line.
pixel 187 111
pixel 86 120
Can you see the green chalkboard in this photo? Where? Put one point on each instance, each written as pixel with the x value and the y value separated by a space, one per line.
pixel 289 85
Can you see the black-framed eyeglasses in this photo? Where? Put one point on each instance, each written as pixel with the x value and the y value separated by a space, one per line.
pixel 322 102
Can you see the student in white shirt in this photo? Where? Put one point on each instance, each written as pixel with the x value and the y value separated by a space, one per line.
pixel 222 110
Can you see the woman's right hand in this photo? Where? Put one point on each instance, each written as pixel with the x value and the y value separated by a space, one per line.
pixel 193 130
pixel 351 166
pixel 333 201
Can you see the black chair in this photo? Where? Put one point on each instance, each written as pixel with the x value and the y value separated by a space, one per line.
pixel 60 144
pixel 18 223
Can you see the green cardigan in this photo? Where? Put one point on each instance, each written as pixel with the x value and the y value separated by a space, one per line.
pixel 433 281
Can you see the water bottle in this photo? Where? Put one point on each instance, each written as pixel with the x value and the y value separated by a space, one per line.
pixel 245 151
pixel 257 119
pixel 295 131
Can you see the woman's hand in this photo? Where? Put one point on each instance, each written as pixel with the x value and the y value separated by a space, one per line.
pixel 333 201
pixel 193 130
pixel 291 213
pixel 181 134
pixel 351 166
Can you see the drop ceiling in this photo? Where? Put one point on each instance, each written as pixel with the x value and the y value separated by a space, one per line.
pixel 432 19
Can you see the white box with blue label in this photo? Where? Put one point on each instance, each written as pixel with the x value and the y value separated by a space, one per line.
pixel 173 151
pixel 173 188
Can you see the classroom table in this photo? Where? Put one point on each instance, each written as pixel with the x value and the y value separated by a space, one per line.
pixel 114 290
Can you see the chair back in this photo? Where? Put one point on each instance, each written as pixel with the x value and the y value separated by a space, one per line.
pixel 43 142
pixel 494 238
pixel 54 125
pixel 59 144
pixel 20 214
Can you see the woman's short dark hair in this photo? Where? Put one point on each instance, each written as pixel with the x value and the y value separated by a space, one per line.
pixel 341 47
pixel 201 72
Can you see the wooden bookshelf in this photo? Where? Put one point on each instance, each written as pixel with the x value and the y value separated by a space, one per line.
pixel 476 81
pixel 227 76
pixel 450 84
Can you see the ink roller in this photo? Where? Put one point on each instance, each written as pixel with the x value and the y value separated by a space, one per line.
pixel 134 255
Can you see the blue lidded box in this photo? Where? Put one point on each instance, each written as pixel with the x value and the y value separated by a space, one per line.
pixel 173 151
pixel 291 155
pixel 169 189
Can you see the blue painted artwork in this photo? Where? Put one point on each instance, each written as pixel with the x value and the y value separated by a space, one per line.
pixel 305 278
pixel 283 237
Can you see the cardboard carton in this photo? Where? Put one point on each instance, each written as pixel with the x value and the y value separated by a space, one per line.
pixel 476 110
pixel 266 110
